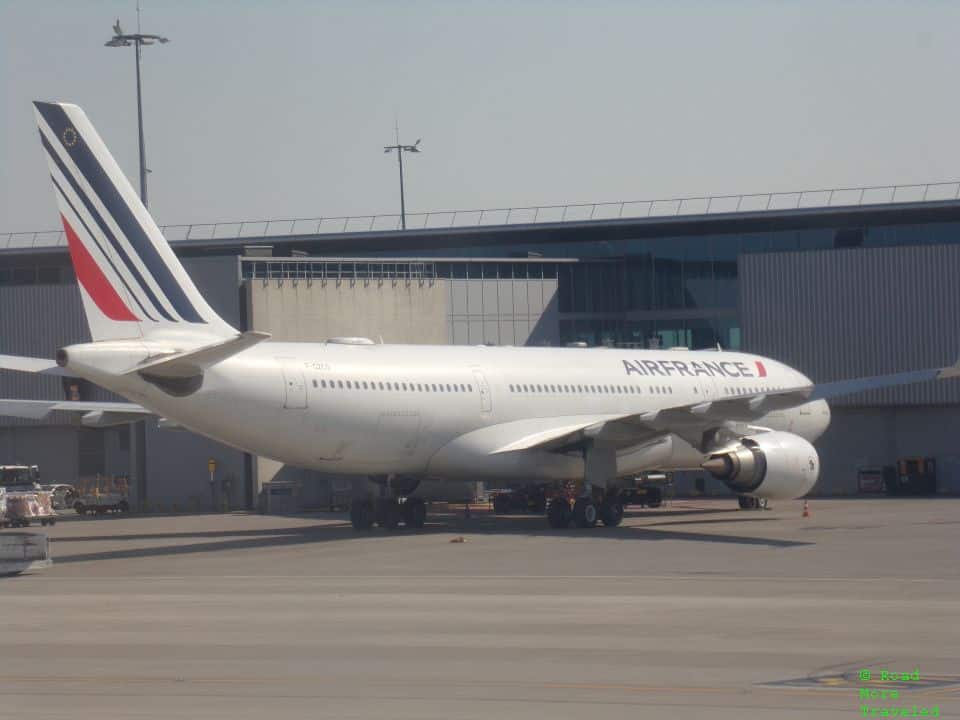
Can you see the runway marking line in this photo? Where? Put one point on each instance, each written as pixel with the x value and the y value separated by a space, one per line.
pixel 7 680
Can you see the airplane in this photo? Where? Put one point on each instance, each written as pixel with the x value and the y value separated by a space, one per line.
pixel 402 413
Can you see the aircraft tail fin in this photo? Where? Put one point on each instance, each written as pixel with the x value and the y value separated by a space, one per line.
pixel 131 282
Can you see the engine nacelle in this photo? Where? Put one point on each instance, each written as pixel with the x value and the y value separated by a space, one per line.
pixel 774 465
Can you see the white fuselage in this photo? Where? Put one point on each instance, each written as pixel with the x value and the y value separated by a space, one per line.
pixel 441 410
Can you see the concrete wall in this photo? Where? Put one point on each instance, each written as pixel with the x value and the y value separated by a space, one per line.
pixel 399 311
pixel 503 311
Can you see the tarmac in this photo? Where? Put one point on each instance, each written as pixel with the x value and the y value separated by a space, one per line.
pixel 696 610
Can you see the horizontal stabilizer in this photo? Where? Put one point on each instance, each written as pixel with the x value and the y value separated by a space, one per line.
pixel 39 409
pixel 30 365
pixel 192 362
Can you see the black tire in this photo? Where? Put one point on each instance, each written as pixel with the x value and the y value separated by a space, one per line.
pixel 388 514
pixel 539 504
pixel 78 506
pixel 558 513
pixel 51 522
pixel 414 513
pixel 123 506
pixel 748 503
pixel 585 513
pixel 361 514
pixel 654 497
pixel 501 505
pixel 611 513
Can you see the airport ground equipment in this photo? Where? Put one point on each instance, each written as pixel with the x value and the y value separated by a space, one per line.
pixel 914 476
pixel 24 499
pixel 23 551
pixel 64 496
pixel 527 500
pixel 100 503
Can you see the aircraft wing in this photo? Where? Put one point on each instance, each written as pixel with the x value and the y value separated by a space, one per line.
pixel 696 422
pixel 30 364
pixel 93 414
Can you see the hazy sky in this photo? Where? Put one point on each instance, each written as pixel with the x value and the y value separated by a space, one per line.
pixel 281 109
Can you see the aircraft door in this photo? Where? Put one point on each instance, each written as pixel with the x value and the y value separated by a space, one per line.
pixel 708 389
pixel 294 384
pixel 486 401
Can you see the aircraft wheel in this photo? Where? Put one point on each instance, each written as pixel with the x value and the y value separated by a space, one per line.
pixel 748 503
pixel 558 514
pixel 388 514
pixel 584 513
pixel 414 513
pixel 611 513
pixel 361 514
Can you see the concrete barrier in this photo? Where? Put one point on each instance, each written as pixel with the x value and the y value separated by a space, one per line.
pixel 20 552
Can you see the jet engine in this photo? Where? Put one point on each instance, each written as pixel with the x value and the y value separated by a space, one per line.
pixel 773 465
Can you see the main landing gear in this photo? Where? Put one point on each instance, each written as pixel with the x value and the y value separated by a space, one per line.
pixel 585 511
pixel 590 506
pixel 389 509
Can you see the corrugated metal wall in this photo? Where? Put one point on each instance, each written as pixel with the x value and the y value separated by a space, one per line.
pixel 38 320
pixel 836 314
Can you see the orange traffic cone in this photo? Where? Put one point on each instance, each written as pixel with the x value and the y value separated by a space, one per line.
pixel 806 509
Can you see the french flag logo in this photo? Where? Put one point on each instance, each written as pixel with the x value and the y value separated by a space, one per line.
pixel 761 370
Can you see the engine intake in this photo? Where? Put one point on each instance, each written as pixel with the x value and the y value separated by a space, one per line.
pixel 774 465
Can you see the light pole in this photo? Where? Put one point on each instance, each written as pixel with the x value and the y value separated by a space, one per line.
pixel 138 39
pixel 401 149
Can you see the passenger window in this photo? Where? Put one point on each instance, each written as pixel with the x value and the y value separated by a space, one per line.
pixel 315 383
pixel 470 388
pixel 365 385
pixel 340 384
pixel 323 383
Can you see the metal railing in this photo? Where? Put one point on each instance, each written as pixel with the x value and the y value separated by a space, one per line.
pixel 267 269
pixel 450 219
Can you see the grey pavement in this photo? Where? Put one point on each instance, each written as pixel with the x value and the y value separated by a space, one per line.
pixel 691 611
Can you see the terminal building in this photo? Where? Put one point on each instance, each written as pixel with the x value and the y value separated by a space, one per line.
pixel 839 284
